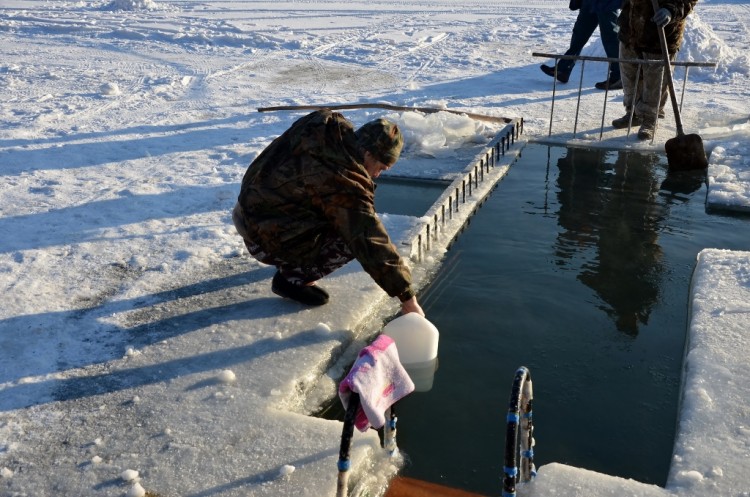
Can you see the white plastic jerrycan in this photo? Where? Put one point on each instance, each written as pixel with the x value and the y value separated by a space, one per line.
pixel 417 343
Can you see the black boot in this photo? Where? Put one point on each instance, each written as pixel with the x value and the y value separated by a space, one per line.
pixel 609 84
pixel 562 76
pixel 305 294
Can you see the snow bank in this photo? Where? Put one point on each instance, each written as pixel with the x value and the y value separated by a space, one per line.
pixel 701 44
pixel 729 176
pixel 132 5
pixel 441 133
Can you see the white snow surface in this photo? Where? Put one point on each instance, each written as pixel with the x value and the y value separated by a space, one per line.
pixel 136 336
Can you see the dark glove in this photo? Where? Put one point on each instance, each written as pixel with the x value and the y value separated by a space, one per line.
pixel 662 17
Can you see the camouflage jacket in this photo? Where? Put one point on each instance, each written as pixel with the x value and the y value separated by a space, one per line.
pixel 639 32
pixel 310 182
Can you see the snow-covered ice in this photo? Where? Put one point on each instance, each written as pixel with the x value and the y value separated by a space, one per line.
pixel 136 337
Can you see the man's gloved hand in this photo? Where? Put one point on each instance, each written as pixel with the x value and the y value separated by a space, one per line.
pixel 662 17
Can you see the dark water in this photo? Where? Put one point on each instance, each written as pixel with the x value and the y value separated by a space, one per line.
pixel 578 267
pixel 406 196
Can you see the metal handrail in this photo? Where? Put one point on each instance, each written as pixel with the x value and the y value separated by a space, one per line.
pixel 617 59
pixel 432 224
pixel 584 58
pixel 519 436
pixel 344 463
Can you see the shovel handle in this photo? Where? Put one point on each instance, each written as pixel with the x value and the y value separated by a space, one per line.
pixel 668 71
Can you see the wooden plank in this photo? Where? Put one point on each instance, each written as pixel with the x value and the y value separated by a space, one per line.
pixel 425 110
pixel 402 486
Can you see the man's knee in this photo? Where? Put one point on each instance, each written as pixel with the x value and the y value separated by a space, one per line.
pixel 239 221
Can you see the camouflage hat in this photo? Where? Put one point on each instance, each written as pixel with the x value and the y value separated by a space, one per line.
pixel 382 139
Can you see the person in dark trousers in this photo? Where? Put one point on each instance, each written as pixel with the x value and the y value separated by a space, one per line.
pixel 639 39
pixel 306 206
pixel 592 13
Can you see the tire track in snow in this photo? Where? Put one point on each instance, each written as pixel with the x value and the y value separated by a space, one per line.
pixel 401 61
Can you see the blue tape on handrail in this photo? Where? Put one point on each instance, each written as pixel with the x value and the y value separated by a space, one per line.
pixel 510 471
pixel 528 453
pixel 344 465
pixel 528 415
pixel 512 417
pixel 509 494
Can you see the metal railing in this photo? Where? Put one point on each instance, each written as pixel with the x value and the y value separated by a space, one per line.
pixel 518 461
pixel 460 191
pixel 519 435
pixel 583 58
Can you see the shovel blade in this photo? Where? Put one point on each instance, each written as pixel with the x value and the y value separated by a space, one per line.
pixel 686 153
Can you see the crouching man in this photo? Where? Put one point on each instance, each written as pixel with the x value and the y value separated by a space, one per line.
pixel 307 206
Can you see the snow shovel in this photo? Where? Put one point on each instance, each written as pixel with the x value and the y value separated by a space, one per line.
pixel 684 152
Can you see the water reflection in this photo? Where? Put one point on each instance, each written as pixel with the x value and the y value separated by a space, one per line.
pixel 679 185
pixel 610 220
pixel 513 291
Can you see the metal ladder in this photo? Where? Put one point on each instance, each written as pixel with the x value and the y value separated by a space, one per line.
pixel 519 447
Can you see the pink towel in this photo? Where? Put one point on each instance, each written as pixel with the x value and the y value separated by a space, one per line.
pixel 380 380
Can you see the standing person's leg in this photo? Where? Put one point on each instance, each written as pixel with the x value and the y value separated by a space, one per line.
pixel 584 27
pixel 630 94
pixel 608 29
pixel 653 88
pixel 652 96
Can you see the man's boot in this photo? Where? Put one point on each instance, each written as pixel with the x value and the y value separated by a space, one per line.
pixel 647 130
pixel 624 121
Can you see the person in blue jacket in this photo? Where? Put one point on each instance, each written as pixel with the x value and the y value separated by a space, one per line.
pixel 592 14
